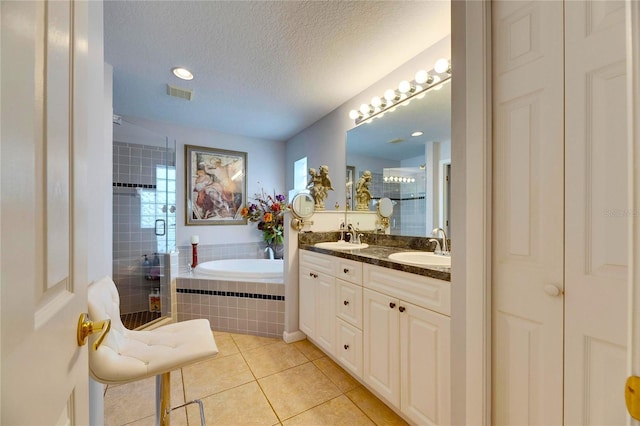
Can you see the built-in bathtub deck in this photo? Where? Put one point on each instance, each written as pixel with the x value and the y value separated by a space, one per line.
pixel 234 306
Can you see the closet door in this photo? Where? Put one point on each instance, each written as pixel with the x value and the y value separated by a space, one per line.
pixel 528 196
pixel 595 213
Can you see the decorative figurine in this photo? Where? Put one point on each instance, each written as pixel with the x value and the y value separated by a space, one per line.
pixel 319 185
pixel 362 191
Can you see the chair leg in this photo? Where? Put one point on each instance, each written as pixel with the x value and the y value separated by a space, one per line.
pixel 163 399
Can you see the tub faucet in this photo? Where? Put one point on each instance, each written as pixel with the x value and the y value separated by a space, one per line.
pixel 435 233
pixel 270 250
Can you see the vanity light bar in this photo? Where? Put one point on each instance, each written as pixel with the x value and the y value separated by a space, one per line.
pixel 406 89
pixel 398 179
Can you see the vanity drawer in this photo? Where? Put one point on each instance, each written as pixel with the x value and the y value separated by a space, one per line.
pixel 317 261
pixel 348 349
pixel 348 270
pixel 349 302
pixel 429 293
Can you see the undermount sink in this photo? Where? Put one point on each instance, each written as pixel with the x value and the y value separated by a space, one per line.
pixel 340 245
pixel 421 258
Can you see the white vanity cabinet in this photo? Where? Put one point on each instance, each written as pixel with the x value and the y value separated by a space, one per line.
pixel 348 349
pixel 407 345
pixel 317 299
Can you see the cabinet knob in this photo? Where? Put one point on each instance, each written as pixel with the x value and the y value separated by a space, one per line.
pixel 346 347
pixel 346 303
pixel 346 270
pixel 552 290
pixel 311 274
pixel 401 308
pixel 392 305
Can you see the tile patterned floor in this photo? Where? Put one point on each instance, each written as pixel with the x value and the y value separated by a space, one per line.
pixel 255 381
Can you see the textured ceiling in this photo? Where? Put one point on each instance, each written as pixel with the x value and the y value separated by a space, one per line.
pixel 265 69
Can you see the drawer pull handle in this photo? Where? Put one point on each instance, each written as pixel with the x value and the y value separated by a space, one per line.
pixel 346 303
pixel 392 305
pixel 346 270
pixel 346 347
pixel 311 274
pixel 401 308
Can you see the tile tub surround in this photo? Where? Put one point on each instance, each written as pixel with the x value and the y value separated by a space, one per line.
pixel 237 307
pixel 380 247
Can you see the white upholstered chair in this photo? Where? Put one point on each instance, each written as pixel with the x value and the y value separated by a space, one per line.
pixel 127 355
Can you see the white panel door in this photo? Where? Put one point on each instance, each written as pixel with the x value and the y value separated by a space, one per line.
pixel 596 212
pixel 425 374
pixel 528 196
pixel 381 345
pixel 306 298
pixel 325 299
pixel 44 210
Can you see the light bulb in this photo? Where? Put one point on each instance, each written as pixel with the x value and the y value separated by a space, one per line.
pixel 182 73
pixel 404 86
pixel 386 178
pixel 418 133
pixel 377 102
pixel 422 77
pixel 354 114
pixel 390 95
pixel 441 66
pixel 365 109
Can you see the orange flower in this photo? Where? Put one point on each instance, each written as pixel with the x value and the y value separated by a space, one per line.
pixel 268 217
pixel 245 211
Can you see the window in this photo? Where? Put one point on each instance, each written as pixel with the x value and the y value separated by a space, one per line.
pixel 300 174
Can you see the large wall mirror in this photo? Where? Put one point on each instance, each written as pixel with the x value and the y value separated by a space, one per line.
pixel 408 152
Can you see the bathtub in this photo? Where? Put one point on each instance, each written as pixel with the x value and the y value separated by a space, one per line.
pixel 245 270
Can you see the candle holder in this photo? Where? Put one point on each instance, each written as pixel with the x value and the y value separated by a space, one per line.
pixel 194 255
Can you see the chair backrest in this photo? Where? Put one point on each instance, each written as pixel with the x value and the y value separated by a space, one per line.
pixel 104 302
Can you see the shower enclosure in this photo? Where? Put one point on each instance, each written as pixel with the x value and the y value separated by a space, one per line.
pixel 144 225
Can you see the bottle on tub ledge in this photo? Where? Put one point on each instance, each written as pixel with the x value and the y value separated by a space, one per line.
pixel 154 300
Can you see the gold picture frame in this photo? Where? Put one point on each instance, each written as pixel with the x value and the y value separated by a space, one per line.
pixel 216 186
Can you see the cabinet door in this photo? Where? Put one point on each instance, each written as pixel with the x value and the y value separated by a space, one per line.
pixel 349 347
pixel 349 302
pixel 325 312
pixel 381 345
pixel 424 365
pixel 306 298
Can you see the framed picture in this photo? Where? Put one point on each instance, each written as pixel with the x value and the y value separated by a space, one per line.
pixel 216 186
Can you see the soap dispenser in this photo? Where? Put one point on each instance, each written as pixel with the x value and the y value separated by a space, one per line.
pixel 155 269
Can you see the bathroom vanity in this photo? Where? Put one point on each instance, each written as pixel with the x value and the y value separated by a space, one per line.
pixel 387 323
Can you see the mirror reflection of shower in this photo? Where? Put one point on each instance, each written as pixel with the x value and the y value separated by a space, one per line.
pixel 144 221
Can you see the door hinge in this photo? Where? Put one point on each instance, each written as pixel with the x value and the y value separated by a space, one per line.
pixel 632 396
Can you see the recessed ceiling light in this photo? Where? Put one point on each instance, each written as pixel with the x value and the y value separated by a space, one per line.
pixel 182 73
pixel 415 134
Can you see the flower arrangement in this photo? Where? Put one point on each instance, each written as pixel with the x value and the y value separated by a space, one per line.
pixel 268 212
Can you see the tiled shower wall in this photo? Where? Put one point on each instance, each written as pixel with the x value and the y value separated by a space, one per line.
pixel 134 169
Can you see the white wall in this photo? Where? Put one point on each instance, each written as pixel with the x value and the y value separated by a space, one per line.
pixel 324 142
pixel 265 165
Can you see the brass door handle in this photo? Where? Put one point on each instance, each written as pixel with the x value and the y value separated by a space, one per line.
pixel 86 327
pixel 632 396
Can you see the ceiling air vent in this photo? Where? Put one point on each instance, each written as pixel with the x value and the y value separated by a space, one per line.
pixel 179 92
pixel 396 140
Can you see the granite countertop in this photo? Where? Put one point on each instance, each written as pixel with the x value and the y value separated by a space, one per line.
pixel 379 255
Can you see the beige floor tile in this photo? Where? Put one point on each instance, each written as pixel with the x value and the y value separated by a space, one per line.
pixel 338 376
pixel 297 389
pixel 133 401
pixel 215 375
pixel 335 412
pixel 244 405
pixel 309 350
pixel 247 341
pixel 226 345
pixel 374 408
pixel 178 418
pixel 273 358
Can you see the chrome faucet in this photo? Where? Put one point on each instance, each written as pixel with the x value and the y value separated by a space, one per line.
pixel 342 231
pixel 353 232
pixel 435 233
pixel 438 250
pixel 270 250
